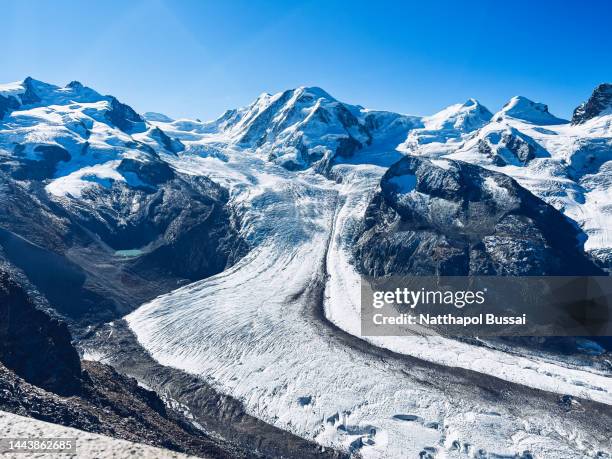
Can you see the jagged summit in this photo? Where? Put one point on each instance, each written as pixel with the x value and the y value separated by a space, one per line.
pixel 599 104
pixel 523 109
pixel 314 92
pixel 14 95
pixel 118 216
pixel 32 92
pixel 297 127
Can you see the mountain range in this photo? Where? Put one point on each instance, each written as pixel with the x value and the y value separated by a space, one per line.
pixel 230 250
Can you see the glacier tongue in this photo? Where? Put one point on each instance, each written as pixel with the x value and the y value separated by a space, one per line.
pixel 257 331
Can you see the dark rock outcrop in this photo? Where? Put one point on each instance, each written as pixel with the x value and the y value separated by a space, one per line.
pixel 170 145
pixel 124 117
pixel 34 345
pixel 150 172
pixel 40 169
pixel 600 101
pixel 7 105
pixel 41 376
pixel 27 97
pixel 256 134
pixel 181 226
pixel 453 218
pixel 119 245
pixel 510 147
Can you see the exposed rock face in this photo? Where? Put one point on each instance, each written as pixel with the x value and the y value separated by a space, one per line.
pixel 124 117
pixel 112 404
pixel 307 127
pixel 7 104
pixel 41 376
pixel 23 96
pixel 299 127
pixel 181 226
pixel 149 172
pixel 599 103
pixel 451 218
pixel 34 345
pixel 170 145
pixel 102 223
pixel 29 96
pixel 43 168
pixel 509 147
pixel 119 245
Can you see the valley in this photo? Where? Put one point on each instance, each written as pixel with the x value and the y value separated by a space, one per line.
pixel 219 263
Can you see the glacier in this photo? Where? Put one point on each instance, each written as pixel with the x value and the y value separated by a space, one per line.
pixel 279 330
pixel 259 332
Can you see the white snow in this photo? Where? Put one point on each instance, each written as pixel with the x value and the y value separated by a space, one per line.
pixel 14 89
pixel 89 445
pixel 572 166
pixel 521 108
pixel 254 330
pixel 72 185
pixel 251 330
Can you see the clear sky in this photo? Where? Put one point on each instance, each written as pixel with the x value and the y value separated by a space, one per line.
pixel 198 58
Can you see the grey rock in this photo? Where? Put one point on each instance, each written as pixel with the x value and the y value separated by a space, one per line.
pixel 43 168
pixel 33 344
pixel 181 231
pixel 7 105
pixel 464 220
pixel 124 117
pixel 600 101
pixel 170 145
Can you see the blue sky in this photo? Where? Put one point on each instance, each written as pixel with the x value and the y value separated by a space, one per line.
pixel 198 58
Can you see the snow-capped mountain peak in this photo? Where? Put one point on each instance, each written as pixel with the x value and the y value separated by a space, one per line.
pixel 15 89
pixel 466 117
pixel 183 200
pixel 449 126
pixel 16 94
pixel 273 108
pixel 297 127
pixel 523 109
pixel 31 92
pixel 312 92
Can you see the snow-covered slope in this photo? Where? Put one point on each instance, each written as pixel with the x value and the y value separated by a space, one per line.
pixel 279 329
pixel 88 445
pixel 305 126
pixel 256 329
pixel 102 202
pixel 74 137
pixel 567 165
pixel 447 127
pixel 521 108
